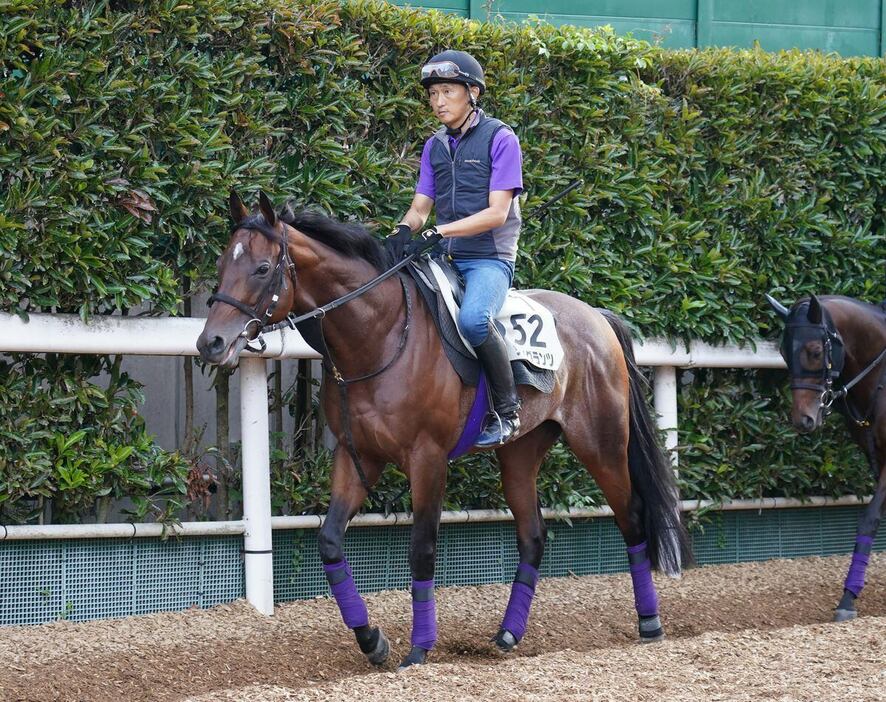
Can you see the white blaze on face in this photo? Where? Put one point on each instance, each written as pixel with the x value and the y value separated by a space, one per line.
pixel 238 250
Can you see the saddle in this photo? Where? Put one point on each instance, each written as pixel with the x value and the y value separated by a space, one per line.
pixel 533 361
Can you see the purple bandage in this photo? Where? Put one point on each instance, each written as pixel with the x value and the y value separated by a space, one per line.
pixel 424 614
pixel 855 577
pixel 522 592
pixel 645 597
pixel 351 605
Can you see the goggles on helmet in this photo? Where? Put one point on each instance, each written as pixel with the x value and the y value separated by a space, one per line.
pixel 443 69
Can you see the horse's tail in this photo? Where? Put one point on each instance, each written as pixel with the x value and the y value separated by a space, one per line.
pixel 652 476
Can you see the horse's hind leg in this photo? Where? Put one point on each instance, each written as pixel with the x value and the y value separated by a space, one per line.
pixel 520 461
pixel 602 446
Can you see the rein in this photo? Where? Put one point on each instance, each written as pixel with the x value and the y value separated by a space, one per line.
pixel 865 419
pixel 320 312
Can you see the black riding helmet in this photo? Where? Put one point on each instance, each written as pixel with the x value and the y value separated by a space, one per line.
pixel 453 67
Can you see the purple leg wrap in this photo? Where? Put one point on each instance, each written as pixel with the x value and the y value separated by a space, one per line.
pixel 351 605
pixel 424 614
pixel 522 592
pixel 645 597
pixel 855 577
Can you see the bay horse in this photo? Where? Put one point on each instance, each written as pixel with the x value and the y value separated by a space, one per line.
pixel 400 401
pixel 835 350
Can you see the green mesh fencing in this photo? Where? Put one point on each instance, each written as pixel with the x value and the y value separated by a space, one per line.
pixel 41 581
pixel 81 579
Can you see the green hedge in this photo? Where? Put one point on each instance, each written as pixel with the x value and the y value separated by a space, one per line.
pixel 709 178
pixel 68 440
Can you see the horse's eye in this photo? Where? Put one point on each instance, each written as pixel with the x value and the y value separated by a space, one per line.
pixel 263 269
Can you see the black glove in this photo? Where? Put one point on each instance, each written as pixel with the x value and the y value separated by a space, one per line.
pixel 426 242
pixel 396 243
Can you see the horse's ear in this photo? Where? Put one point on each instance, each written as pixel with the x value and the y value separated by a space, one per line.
pixel 814 313
pixel 267 209
pixel 238 209
pixel 779 308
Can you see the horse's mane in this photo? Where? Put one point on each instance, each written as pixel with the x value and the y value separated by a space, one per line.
pixel 877 311
pixel 350 239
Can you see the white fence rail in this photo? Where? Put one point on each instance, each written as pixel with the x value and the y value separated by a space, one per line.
pixel 177 337
pixel 32 532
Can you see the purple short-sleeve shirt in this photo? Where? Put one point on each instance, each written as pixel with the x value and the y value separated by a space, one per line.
pixel 507 165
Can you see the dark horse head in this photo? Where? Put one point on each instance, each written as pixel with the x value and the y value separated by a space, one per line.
pixel 255 283
pixel 826 340
pixel 257 279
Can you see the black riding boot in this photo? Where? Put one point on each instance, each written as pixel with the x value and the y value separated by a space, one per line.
pixel 504 422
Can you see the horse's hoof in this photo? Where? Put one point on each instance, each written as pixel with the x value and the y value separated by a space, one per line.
pixel 651 629
pixel 844 615
pixel 504 641
pixel 417 656
pixel 379 655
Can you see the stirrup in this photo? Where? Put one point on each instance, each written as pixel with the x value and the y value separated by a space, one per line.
pixel 501 437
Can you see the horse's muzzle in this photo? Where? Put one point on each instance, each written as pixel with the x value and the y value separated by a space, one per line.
pixel 804 423
pixel 218 351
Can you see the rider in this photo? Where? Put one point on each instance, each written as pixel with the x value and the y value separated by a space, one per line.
pixel 471 169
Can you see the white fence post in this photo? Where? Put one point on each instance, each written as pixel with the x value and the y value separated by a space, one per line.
pixel 664 389
pixel 257 540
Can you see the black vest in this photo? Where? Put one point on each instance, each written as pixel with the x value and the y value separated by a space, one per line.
pixel 461 182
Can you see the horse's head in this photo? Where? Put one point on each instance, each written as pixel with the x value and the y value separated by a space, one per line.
pixel 255 283
pixel 813 350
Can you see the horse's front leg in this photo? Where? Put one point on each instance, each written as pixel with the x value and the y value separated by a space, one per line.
pixel 347 495
pixel 864 539
pixel 427 477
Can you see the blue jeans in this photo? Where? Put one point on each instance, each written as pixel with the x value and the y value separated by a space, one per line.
pixel 486 286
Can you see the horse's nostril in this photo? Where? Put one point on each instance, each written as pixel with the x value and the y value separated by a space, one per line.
pixel 217 345
pixel 808 422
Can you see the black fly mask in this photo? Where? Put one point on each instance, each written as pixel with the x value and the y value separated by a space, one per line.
pixel 812 348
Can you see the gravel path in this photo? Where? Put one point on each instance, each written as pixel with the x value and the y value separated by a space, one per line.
pixel 754 631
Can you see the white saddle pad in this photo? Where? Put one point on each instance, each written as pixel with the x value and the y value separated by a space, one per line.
pixel 528 327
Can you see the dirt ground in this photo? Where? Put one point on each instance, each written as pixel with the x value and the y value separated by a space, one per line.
pixel 755 631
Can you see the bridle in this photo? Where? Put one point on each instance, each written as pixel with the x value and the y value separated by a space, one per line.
pixel 310 325
pixel 831 367
pixel 833 361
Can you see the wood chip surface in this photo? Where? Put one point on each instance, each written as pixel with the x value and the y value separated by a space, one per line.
pixel 752 631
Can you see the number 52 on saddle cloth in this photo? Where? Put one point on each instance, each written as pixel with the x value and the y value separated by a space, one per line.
pixel 528 327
